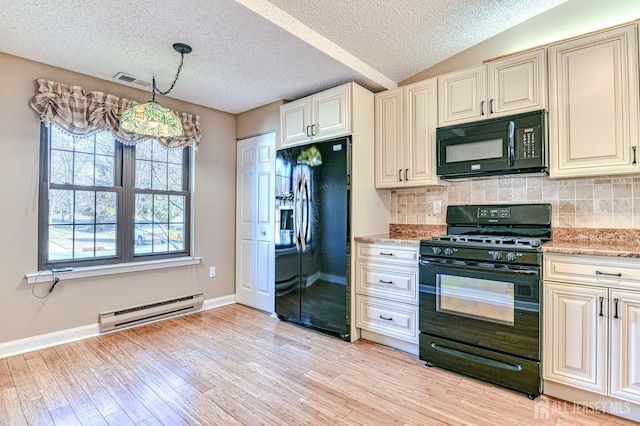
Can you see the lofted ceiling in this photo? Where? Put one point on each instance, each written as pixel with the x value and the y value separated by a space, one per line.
pixel 248 53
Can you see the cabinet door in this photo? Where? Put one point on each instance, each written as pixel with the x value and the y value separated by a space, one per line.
pixel 517 84
pixel 389 133
pixel 593 115
pixel 462 96
pixel 575 336
pixel 295 122
pixel 420 117
pixel 330 110
pixel 625 345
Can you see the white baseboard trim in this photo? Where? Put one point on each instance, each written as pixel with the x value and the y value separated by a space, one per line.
pixel 218 302
pixel 42 341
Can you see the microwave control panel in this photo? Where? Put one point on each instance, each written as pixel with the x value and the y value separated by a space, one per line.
pixel 528 147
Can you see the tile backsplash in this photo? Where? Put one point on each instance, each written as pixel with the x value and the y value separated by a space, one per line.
pixel 604 202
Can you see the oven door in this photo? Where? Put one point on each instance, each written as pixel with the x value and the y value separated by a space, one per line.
pixel 486 305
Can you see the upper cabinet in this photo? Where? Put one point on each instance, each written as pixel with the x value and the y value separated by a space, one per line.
pixel 324 115
pixel 593 114
pixel 501 87
pixel 405 125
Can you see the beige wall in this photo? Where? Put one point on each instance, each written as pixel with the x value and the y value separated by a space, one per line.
pixel 77 302
pixel 572 18
pixel 259 120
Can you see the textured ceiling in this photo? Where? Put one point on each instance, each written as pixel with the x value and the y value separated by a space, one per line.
pixel 247 53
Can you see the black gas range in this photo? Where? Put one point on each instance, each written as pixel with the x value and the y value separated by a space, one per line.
pixel 480 293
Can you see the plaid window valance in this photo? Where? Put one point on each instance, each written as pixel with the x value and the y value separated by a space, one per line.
pixel 82 113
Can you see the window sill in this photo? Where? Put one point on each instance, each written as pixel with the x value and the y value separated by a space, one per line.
pixel 95 271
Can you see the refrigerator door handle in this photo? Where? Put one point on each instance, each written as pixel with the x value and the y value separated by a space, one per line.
pixel 296 212
pixel 304 210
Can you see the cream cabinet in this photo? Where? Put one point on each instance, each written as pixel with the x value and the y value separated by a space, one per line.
pixel 575 336
pixel 387 294
pixel 405 126
pixel 593 111
pixel 591 326
pixel 510 85
pixel 322 116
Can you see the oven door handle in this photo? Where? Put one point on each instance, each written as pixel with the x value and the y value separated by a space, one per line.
pixel 466 266
pixel 476 358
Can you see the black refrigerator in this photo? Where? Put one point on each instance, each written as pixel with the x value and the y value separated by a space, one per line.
pixel 313 236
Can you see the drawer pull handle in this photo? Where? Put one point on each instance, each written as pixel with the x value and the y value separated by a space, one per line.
pixel 386 282
pixel 615 312
pixel 619 274
pixel 386 318
pixel 601 302
pixel 382 253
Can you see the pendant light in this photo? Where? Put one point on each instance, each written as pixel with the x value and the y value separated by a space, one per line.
pixel 151 118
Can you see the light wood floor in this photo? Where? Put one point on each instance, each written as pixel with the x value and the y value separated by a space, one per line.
pixel 234 365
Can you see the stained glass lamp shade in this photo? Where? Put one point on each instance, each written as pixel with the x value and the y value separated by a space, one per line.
pixel 152 119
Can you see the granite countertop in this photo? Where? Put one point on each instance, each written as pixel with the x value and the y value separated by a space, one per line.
pixel 610 242
pixel 404 234
pixel 595 242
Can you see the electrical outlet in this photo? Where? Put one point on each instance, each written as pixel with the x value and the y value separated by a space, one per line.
pixel 212 272
pixel 437 206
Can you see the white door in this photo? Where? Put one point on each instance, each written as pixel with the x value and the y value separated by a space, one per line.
pixel 625 344
pixel 389 130
pixel 330 110
pixel 593 108
pixel 420 133
pixel 575 336
pixel 255 197
pixel 462 95
pixel 295 122
pixel 517 84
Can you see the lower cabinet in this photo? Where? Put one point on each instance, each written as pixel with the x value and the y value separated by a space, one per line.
pixel 591 330
pixel 387 294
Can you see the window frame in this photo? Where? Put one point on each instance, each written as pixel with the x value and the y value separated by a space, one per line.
pixel 124 181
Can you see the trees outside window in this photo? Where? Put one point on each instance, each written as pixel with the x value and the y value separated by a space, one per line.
pixel 105 202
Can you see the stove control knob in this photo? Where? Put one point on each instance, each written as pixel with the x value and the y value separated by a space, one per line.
pixel 511 256
pixel 448 251
pixel 436 250
pixel 496 255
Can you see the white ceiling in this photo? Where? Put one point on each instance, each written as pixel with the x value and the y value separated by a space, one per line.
pixel 248 53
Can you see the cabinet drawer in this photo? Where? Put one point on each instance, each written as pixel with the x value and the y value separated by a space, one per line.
pixel 592 270
pixel 392 319
pixel 401 254
pixel 397 283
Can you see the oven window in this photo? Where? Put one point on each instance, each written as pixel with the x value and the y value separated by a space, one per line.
pixel 473 151
pixel 486 300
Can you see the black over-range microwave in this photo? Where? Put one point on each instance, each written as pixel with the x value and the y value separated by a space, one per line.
pixel 497 146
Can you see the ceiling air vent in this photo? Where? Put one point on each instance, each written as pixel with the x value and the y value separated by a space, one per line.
pixel 131 79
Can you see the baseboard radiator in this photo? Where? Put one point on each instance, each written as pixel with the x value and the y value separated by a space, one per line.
pixel 146 313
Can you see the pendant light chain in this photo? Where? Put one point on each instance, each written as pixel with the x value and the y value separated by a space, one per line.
pixel 155 88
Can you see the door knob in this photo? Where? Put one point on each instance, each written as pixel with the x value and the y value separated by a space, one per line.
pixel 263 233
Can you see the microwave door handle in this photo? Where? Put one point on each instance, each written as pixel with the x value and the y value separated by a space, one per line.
pixel 512 143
